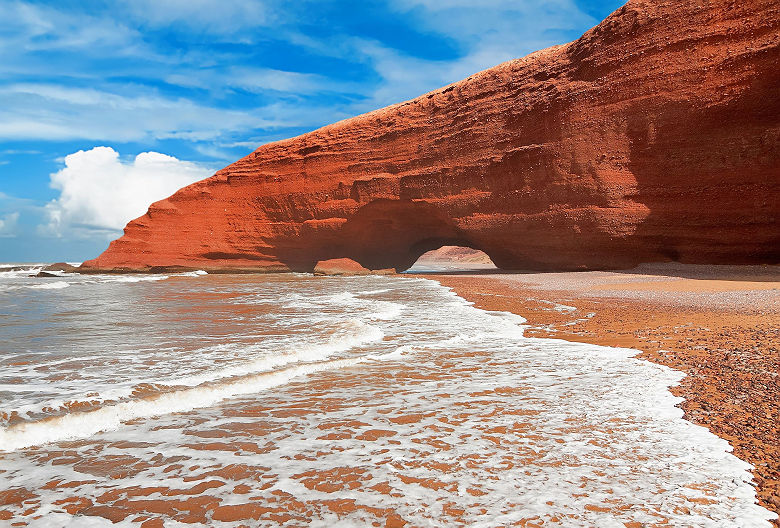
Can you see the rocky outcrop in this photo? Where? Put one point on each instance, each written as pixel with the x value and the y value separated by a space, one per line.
pixel 655 136
pixel 45 274
pixel 61 266
pixel 345 266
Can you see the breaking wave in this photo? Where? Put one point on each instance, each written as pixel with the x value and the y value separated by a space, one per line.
pixel 85 424
pixel 51 285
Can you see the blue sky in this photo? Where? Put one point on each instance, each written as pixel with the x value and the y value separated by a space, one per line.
pixel 106 106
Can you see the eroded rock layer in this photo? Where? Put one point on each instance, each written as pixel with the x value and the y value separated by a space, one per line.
pixel 655 136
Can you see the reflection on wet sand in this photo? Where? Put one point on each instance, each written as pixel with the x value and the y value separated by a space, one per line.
pixel 408 408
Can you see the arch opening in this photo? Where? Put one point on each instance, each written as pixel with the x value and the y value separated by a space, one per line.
pixel 393 234
pixel 453 259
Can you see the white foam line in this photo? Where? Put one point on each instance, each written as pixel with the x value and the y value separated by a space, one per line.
pixel 196 273
pixel 83 425
pixel 19 273
pixel 135 278
pixel 51 285
pixel 386 310
pixel 351 334
pixel 375 292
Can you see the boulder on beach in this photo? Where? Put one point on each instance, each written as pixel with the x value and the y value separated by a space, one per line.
pixel 345 266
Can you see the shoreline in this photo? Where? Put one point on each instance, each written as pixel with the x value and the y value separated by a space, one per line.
pixel 720 325
pixel 492 425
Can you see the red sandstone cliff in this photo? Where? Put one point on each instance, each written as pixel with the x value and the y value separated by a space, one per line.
pixel 655 136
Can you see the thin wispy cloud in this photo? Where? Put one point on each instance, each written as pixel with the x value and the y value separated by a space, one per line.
pixel 53 112
pixel 488 33
pixel 201 16
pixel 34 27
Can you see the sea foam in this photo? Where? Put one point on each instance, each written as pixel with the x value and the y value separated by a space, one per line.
pixel 85 424
pixel 396 383
pixel 58 285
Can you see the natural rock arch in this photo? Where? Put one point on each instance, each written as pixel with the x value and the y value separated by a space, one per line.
pixel 395 233
pixel 655 136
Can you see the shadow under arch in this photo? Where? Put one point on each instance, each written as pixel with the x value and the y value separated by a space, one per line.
pixel 394 233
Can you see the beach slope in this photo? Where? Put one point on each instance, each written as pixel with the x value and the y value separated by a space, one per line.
pixel 718 324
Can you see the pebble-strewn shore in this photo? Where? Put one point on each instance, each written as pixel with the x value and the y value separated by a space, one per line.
pixel 718 324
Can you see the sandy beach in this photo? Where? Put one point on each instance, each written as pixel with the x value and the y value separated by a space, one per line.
pixel 286 400
pixel 718 324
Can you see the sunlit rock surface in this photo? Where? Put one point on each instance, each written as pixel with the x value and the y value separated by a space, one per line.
pixel 655 136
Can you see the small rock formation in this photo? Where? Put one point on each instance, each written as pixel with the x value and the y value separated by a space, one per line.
pixel 345 266
pixel 4 269
pixel 57 266
pixel 61 266
pixel 653 137
pixel 44 274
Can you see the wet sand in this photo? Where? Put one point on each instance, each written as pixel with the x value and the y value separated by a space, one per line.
pixel 442 416
pixel 718 324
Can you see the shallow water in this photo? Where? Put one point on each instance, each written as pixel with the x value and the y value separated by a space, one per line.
pixel 305 401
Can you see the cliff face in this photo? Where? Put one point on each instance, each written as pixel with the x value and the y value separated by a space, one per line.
pixel 655 136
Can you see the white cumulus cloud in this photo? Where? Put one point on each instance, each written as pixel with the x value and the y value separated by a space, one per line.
pixel 100 193
pixel 8 224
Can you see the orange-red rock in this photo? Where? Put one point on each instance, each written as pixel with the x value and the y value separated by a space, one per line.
pixel 655 136
pixel 343 266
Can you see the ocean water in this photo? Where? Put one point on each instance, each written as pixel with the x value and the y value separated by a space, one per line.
pixel 293 400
